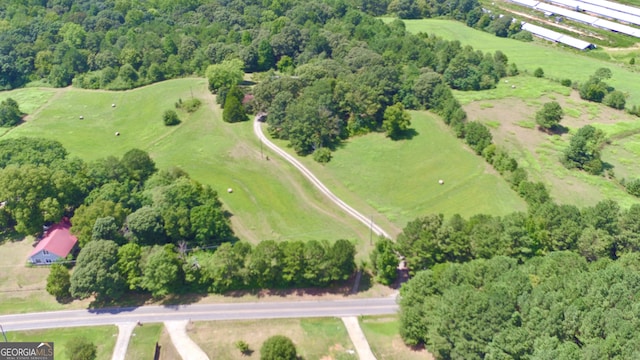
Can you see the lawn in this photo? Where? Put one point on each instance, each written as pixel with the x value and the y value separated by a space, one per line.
pixel 143 340
pixel 556 61
pixel 270 199
pixel 386 344
pixel 22 287
pixel 322 338
pixel 104 337
pixel 400 178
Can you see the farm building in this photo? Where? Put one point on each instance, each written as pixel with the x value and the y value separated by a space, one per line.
pixel 56 244
pixel 557 37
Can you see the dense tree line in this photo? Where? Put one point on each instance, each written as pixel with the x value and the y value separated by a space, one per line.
pixel 108 271
pixel 557 306
pixel 603 231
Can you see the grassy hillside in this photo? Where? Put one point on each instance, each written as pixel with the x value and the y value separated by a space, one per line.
pixel 269 201
pixel 557 62
pixel 400 178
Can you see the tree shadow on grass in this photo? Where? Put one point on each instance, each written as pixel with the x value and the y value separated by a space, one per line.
pixel 555 130
pixel 10 235
pixel 181 299
pixel 405 135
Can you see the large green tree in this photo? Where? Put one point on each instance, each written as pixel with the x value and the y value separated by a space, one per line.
pixel 584 150
pixel 10 113
pixel 224 75
pixel 233 110
pixel 161 271
pixel 96 272
pixel 58 282
pixel 549 116
pixel 396 121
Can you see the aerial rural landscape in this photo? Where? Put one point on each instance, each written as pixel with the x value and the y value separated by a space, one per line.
pixel 337 179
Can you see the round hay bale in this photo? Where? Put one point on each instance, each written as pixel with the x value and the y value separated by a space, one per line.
pixel 113 105
pixel 513 86
pixel 81 117
pixel 229 190
pixel 441 182
pixel 117 133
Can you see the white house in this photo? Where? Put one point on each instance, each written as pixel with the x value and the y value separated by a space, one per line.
pixel 56 244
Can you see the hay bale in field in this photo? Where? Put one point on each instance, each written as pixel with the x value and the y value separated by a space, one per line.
pixel 229 190
pixel 117 133
pixel 441 182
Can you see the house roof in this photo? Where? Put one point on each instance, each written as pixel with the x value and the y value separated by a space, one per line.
pixel 58 240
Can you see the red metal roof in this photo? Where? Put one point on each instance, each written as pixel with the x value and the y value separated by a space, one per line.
pixel 58 240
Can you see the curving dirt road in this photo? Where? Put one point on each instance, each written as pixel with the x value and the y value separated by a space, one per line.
pixel 257 128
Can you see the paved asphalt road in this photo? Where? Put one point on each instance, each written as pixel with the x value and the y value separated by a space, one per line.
pixel 200 312
pixel 257 129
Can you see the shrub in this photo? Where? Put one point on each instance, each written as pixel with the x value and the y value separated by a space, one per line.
pixel 81 349
pixel 189 106
pixel 322 155
pixel 242 346
pixel 633 187
pixel 538 73
pixel 566 82
pixel 170 118
pixel 615 99
pixel 278 347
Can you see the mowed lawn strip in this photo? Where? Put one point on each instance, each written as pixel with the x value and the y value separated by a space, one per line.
pixel 314 338
pixel 270 200
pixel 104 337
pixel 556 61
pixel 400 178
pixel 385 342
pixel 142 344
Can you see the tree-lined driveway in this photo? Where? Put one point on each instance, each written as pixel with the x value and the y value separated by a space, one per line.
pixel 200 312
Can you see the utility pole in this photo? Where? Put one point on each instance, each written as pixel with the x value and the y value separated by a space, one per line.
pixel 3 334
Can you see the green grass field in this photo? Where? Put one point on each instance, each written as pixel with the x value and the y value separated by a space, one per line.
pixel 270 199
pixel 557 62
pixel 400 178
pixel 321 338
pixel 104 337
pixel 386 344
pixel 143 340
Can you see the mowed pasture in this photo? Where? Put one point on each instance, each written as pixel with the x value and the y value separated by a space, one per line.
pixel 400 179
pixel 558 62
pixel 270 199
pixel 314 338
pixel 512 123
pixel 104 337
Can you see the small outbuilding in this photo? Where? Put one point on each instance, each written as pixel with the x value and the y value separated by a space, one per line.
pixel 56 244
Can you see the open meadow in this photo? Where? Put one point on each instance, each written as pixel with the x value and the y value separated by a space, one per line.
pixel 558 62
pixel 321 338
pixel 400 178
pixel 104 337
pixel 510 115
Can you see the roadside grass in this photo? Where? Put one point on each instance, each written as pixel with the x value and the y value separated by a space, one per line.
pixel 557 62
pixel 167 349
pixel 314 338
pixel 385 342
pixel 104 337
pixel 270 200
pixel 400 178
pixel 142 343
